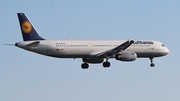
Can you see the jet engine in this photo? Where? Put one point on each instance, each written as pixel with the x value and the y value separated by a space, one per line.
pixel 126 56
pixel 93 60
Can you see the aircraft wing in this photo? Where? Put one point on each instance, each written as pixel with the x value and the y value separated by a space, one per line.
pixel 116 50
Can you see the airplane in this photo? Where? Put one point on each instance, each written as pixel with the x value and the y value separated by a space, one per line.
pixel 90 51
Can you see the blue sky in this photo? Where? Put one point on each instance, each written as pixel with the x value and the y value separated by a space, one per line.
pixel 26 76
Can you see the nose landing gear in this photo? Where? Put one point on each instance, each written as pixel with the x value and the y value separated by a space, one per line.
pixel 152 64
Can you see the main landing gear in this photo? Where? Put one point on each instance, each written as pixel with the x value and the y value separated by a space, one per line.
pixel 105 64
pixel 85 66
pixel 152 64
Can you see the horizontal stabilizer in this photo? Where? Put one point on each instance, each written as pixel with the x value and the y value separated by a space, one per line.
pixel 33 44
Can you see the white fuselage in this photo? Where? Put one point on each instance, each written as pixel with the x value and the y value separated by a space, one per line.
pixel 91 51
pixel 89 48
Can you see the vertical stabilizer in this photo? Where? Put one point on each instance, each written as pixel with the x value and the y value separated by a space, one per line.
pixel 27 29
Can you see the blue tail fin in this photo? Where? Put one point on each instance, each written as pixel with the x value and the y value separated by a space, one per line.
pixel 27 29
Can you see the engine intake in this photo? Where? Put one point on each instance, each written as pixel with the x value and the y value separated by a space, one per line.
pixel 126 56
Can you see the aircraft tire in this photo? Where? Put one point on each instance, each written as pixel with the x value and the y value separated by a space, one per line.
pixel 152 64
pixel 85 66
pixel 106 64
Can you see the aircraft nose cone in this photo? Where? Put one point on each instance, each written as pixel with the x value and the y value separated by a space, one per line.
pixel 166 51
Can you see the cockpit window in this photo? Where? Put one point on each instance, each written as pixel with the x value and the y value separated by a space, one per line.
pixel 163 45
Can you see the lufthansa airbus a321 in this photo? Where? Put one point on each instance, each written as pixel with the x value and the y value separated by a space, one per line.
pixel 90 51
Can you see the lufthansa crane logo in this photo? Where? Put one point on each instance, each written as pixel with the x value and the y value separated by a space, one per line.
pixel 26 27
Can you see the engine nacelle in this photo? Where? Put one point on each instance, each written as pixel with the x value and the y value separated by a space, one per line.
pixel 126 56
pixel 93 60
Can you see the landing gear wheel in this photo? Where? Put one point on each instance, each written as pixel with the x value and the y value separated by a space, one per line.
pixel 106 64
pixel 85 66
pixel 152 64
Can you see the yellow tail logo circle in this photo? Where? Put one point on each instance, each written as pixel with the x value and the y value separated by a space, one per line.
pixel 26 27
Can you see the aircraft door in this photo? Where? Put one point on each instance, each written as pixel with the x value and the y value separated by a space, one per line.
pixel 90 47
pixel 48 47
pixel 156 48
